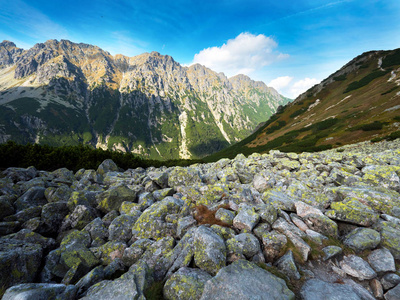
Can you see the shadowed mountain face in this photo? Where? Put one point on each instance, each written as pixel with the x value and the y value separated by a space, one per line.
pixel 359 102
pixel 62 93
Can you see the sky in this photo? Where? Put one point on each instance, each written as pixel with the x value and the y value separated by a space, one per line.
pixel 288 44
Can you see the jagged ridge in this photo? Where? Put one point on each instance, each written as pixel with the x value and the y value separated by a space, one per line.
pixel 61 92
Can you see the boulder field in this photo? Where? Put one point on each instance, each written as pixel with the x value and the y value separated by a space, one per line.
pixel 280 225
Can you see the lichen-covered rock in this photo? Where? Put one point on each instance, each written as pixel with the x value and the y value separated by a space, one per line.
pixel 152 224
pixel 50 291
pixel 121 228
pixel 186 284
pixel 97 229
pixel 94 276
pixel 245 280
pixel 161 178
pixel 107 166
pixel 314 289
pixel 357 267
pixel 209 250
pixel 225 215
pixel 79 218
pixel 268 213
pixel 362 238
pixel 63 175
pixel 352 211
pixel 390 238
pixel 28 236
pixel 184 224
pixel 112 198
pixel 122 289
pixel 331 251
pixel 19 261
pixel 183 177
pixel 158 195
pixel 244 243
pixel 109 251
pixel 279 199
pixel 273 243
pixel 247 219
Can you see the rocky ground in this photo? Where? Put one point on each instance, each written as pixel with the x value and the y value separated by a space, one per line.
pixel 273 226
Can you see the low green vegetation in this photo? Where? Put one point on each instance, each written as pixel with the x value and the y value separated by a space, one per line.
pixel 49 158
pixel 365 80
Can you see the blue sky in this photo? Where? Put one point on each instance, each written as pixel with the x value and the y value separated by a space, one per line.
pixel 288 44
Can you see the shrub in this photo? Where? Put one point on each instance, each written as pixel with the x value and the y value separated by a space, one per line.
pixel 376 125
pixel 365 80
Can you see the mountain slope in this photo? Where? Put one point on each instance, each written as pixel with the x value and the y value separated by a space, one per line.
pixel 359 102
pixel 61 92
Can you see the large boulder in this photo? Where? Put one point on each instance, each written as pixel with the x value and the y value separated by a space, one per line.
pixel 209 250
pixel 112 198
pixel 183 177
pixel 316 289
pixel 48 291
pixel 361 239
pixel 245 280
pixel 19 261
pixel 152 223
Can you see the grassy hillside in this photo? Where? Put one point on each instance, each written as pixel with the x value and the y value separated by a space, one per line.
pixel 359 102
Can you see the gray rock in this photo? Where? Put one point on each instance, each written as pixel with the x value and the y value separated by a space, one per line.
pixel 245 280
pixel 107 166
pixel 273 243
pixel 52 216
pixel 33 197
pixel 390 280
pixel 184 224
pixel 97 229
pixel 121 228
pixel 393 294
pixel 209 250
pixel 161 178
pixel 19 261
pixel 28 291
pixel 244 243
pixel 186 284
pixel 247 218
pixel 331 251
pixel 79 218
pixel 381 260
pixel 268 213
pixel 390 238
pixel 316 289
pixel 94 276
pixel 113 198
pixel 357 267
pixel 287 266
pixel 58 194
pixel 362 238
pixel 6 207
pixel 121 289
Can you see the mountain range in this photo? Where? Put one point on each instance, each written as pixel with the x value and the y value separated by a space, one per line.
pixel 357 103
pixel 64 93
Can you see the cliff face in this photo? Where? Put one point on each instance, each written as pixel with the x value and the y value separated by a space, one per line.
pixel 148 104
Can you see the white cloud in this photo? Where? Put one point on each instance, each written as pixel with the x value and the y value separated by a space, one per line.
pixel 241 55
pixel 285 86
pixel 302 85
pixel 280 82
